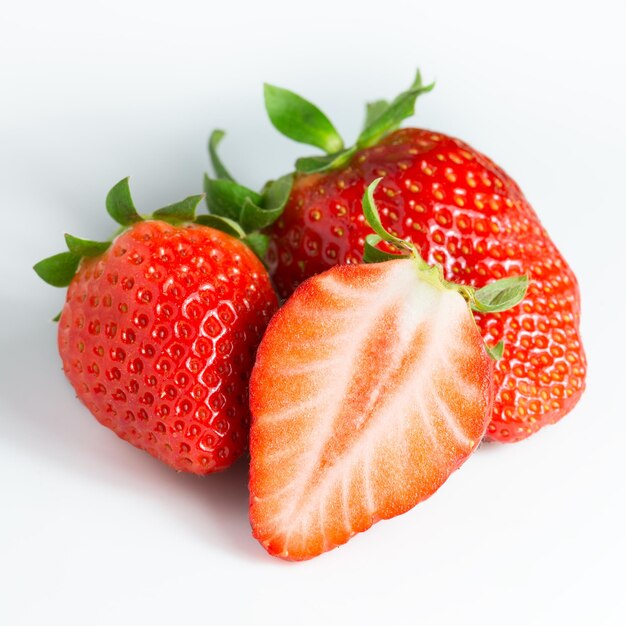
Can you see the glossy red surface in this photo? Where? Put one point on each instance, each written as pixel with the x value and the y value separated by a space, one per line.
pixel 465 213
pixel 158 337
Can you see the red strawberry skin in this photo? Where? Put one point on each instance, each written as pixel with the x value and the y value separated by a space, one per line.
pixel 466 214
pixel 371 386
pixel 158 337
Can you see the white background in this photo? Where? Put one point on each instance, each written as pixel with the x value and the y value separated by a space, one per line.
pixel 93 532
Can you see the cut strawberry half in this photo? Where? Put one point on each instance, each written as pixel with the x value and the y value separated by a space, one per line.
pixel 372 384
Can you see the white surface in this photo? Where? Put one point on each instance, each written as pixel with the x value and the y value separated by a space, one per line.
pixel 93 531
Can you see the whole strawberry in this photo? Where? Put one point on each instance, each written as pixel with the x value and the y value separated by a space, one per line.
pixel 160 328
pixel 464 213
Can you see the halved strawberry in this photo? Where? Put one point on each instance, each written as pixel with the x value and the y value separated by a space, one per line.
pixel 371 385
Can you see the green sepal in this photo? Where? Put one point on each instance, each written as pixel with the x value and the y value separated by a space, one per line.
pixel 257 216
pixel 226 198
pixel 374 110
pixel 495 352
pixel 370 210
pixel 120 206
pixel 258 243
pixel 85 247
pixel 224 224
pixel 390 118
pixel 300 120
pixel 183 211
pixel 276 193
pixel 57 317
pixel 500 295
pixel 373 254
pixel 59 269
pixel 493 298
pixel 220 171
pixel 314 164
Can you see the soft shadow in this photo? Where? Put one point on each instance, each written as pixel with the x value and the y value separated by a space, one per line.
pixel 498 447
pixel 41 416
pixel 215 506
pixel 489 447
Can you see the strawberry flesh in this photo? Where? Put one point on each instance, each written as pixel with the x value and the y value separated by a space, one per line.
pixel 371 386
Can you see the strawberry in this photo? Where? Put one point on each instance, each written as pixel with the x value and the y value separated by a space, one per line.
pixel 159 330
pixel 371 385
pixel 464 213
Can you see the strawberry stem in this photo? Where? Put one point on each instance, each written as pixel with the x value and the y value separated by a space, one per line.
pixel 498 296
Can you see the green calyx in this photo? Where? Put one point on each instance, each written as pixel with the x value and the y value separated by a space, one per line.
pixel 496 297
pixel 59 269
pixel 302 121
pixel 250 210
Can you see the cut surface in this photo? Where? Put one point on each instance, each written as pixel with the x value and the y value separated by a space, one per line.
pixel 370 387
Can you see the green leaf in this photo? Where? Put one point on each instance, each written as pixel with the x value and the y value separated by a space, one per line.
pixel 389 119
pixel 258 243
pixel 500 295
pixel 120 205
pixel 254 217
pixel 495 352
pixel 276 193
pixel 58 270
pixel 216 162
pixel 374 110
pixel 226 198
pixel 373 254
pixel 85 247
pixel 300 120
pixel 183 211
pixel 311 165
pixel 224 224
pixel 370 210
